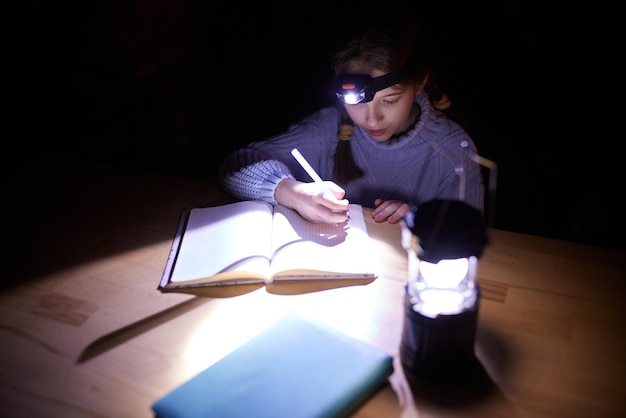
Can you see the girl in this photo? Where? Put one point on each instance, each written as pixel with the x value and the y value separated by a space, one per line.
pixel 384 145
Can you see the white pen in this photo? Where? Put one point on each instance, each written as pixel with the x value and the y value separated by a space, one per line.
pixel 307 167
pixel 305 164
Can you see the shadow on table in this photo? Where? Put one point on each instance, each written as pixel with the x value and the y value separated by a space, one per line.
pixel 473 388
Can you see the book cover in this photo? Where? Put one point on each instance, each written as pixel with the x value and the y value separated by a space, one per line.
pixel 297 368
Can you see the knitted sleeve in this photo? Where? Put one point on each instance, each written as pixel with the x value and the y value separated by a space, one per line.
pixel 254 171
pixel 248 175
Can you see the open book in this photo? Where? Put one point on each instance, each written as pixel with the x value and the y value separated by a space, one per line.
pixel 256 242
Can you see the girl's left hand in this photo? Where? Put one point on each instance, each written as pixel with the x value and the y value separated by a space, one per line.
pixel 391 211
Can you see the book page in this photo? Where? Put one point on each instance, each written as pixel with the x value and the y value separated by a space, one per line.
pixel 320 250
pixel 232 237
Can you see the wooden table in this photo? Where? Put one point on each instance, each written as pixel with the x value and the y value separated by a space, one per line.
pixel 85 333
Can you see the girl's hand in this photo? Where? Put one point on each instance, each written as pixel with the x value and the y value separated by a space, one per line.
pixel 391 211
pixel 309 200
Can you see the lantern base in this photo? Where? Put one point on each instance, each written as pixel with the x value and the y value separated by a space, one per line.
pixel 440 348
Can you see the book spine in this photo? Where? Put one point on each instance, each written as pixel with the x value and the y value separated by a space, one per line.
pixel 171 258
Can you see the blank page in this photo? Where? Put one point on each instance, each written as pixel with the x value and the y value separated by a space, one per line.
pixel 302 245
pixel 235 236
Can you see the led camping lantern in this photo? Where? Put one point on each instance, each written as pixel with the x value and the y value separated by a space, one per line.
pixel 444 239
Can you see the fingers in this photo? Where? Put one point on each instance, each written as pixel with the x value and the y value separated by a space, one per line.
pixel 391 211
pixel 325 209
pixel 331 217
pixel 337 191
pixel 311 194
pixel 312 202
pixel 331 203
pixel 321 214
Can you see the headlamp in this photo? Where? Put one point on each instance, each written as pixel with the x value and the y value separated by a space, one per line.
pixel 361 88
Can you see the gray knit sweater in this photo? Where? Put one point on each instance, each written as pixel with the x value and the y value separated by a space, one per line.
pixel 424 164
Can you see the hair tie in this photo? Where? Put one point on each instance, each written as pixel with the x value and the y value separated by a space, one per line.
pixel 345 132
pixel 443 103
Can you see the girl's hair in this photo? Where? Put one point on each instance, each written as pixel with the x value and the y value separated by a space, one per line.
pixel 385 44
pixel 382 44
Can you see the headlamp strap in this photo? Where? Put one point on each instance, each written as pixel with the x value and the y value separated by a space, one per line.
pixel 388 80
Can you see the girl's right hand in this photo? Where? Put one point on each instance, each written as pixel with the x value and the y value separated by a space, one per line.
pixel 310 201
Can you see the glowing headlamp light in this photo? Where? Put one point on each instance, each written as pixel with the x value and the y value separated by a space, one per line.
pixel 361 88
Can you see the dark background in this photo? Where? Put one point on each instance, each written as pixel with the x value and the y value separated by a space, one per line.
pixel 171 86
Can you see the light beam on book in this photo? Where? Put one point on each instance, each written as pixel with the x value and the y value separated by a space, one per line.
pixel 256 242
pixel 297 367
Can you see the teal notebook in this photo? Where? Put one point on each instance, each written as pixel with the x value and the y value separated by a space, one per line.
pixel 296 368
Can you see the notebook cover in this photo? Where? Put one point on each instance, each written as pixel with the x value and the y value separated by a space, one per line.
pixel 296 368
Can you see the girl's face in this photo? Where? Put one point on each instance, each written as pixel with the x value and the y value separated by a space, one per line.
pixel 390 112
